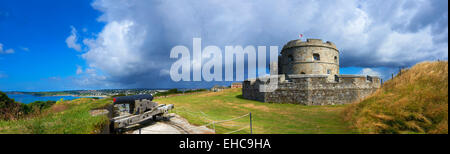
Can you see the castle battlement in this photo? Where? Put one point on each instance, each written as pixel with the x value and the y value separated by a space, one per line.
pixel 309 74
pixel 356 79
pixel 309 42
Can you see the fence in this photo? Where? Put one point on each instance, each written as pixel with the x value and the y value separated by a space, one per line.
pixel 222 123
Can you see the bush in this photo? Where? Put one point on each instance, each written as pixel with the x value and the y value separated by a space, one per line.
pixel 9 109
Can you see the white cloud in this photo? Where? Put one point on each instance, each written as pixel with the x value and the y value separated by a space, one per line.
pixel 135 43
pixel 79 70
pixel 71 41
pixel 25 48
pixel 117 50
pixel 90 71
pixel 403 47
pixel 91 79
pixel 7 51
pixel 370 72
pixel 164 72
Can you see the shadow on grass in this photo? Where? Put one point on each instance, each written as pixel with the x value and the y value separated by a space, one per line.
pixel 240 97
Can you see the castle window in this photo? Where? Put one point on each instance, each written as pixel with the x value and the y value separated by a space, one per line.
pixel 316 56
pixel 290 58
pixel 328 71
pixel 335 59
pixel 369 78
pixel 302 73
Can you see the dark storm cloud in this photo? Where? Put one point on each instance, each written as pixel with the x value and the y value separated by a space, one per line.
pixel 133 48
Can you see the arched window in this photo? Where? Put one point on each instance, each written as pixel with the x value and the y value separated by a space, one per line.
pixel 335 59
pixel 316 56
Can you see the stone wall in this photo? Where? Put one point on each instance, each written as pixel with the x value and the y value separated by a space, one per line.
pixel 314 89
pixel 297 57
pixel 307 80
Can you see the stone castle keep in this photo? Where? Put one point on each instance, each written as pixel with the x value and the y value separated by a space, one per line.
pixel 308 73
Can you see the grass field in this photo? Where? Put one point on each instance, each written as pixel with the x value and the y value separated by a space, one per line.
pixel 72 117
pixel 68 117
pixel 267 118
pixel 414 102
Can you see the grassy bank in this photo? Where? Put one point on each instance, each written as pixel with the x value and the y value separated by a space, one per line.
pixel 416 101
pixel 267 117
pixel 68 117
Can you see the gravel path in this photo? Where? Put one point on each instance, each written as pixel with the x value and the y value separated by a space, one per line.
pixel 173 124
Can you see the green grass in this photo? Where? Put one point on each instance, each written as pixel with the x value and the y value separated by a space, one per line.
pixel 72 117
pixel 267 118
pixel 414 102
pixel 69 117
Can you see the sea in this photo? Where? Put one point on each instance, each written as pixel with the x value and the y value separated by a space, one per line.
pixel 26 98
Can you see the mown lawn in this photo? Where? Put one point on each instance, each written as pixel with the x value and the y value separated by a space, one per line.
pixel 267 118
pixel 68 117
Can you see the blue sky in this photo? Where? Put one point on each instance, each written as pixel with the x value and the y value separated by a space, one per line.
pixel 36 31
pixel 75 44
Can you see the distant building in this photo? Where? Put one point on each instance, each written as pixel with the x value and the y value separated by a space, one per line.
pixel 218 88
pixel 236 85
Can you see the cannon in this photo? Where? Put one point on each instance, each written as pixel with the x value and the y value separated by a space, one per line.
pixel 130 99
pixel 133 110
pixel 137 103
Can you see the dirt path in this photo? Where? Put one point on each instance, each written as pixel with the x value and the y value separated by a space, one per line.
pixel 172 124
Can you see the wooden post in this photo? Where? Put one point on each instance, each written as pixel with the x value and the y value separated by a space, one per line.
pixel 251 129
pixel 214 127
pixel 392 76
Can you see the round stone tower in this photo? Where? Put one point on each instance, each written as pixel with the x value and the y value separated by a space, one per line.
pixel 310 57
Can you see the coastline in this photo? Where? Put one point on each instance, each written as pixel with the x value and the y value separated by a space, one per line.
pixel 102 96
pixel 29 98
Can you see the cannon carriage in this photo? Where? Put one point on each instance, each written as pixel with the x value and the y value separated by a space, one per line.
pixel 133 110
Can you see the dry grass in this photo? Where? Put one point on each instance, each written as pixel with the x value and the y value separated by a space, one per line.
pixel 58 108
pixel 415 101
pixel 68 117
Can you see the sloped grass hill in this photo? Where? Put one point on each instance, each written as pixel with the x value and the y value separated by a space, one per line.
pixel 415 101
pixel 67 117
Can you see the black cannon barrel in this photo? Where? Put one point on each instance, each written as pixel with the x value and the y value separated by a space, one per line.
pixel 131 99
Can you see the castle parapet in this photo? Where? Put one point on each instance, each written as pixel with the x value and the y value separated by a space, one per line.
pixel 310 42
